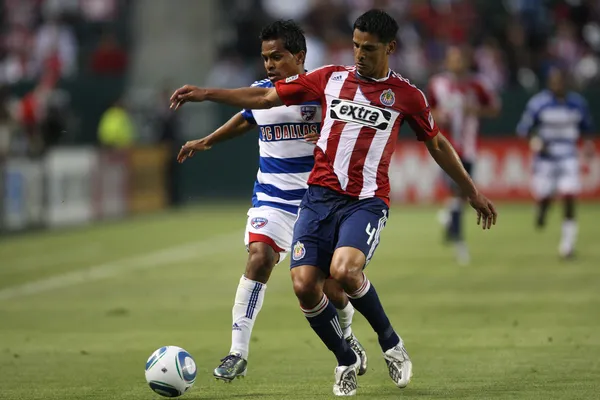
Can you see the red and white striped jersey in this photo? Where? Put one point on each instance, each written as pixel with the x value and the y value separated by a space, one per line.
pixel 360 124
pixel 451 98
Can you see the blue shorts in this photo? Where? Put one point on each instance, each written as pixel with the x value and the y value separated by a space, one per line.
pixel 328 220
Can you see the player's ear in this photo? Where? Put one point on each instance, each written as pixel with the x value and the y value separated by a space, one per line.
pixel 300 57
pixel 391 47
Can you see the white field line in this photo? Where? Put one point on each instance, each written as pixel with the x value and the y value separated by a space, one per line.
pixel 174 254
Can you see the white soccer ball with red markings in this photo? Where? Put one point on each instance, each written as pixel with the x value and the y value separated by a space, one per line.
pixel 170 371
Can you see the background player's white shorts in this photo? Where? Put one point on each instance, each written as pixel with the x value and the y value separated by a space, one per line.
pixel 272 226
pixel 551 177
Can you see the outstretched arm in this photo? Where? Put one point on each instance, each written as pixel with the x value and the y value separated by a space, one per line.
pixel 444 155
pixel 236 126
pixel 255 98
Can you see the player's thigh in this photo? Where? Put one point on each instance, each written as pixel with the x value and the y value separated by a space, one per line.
pixel 568 180
pixel 544 179
pixel 312 242
pixel 362 226
pixel 271 226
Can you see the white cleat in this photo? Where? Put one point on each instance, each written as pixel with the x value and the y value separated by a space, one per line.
pixel 345 379
pixel 463 258
pixel 399 365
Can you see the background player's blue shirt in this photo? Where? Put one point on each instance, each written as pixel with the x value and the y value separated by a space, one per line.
pixel 559 123
pixel 286 159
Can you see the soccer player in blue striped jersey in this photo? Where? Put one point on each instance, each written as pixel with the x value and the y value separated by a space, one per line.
pixel 554 120
pixel 286 141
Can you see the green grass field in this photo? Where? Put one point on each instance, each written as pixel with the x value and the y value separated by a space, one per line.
pixel 82 309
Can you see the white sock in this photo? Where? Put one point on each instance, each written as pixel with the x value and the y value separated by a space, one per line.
pixel 568 237
pixel 248 302
pixel 345 316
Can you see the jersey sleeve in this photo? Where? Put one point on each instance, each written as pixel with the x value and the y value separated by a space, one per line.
pixel 419 117
pixel 247 114
pixel 303 88
pixel 529 119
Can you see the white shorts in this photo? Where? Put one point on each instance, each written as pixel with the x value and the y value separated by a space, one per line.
pixel 555 177
pixel 272 226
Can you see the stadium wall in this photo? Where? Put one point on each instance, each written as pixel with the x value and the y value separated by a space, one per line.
pixel 72 186
pixel 503 171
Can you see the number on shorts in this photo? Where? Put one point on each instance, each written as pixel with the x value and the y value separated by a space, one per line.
pixel 371 232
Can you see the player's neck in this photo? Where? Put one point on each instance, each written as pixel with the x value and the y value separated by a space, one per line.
pixel 377 76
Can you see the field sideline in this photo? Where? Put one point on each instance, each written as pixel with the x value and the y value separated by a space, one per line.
pixel 82 309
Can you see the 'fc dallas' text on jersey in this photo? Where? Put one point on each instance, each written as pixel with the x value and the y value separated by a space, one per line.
pixel 286 159
pixel 451 98
pixel 361 121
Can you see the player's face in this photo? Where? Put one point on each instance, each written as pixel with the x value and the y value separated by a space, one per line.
pixel 279 62
pixel 556 81
pixel 455 60
pixel 370 55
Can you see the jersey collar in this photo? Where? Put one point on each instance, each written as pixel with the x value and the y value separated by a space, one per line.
pixel 376 80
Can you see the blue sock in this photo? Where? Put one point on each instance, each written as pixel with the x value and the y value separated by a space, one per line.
pixel 324 320
pixel 455 225
pixel 367 302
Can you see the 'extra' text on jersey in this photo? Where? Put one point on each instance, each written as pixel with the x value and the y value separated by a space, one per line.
pixel 286 159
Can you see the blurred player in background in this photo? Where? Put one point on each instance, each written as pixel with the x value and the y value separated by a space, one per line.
pixel 347 203
pixel 286 159
pixel 458 100
pixel 553 121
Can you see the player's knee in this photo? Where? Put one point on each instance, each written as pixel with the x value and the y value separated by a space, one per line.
pixel 261 260
pixel 306 287
pixel 347 266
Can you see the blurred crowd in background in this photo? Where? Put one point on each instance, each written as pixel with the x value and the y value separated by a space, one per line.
pixel 53 50
pixel 45 45
pixel 513 42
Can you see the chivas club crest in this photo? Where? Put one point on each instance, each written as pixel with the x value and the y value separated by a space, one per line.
pixel 387 98
pixel 299 251
pixel 308 113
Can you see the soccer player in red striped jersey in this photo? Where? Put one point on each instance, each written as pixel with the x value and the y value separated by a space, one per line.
pixel 347 202
pixel 458 101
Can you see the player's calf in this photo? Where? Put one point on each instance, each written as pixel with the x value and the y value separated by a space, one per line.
pixel 569 229
pixel 542 211
pixel 333 290
pixel 320 312
pixel 249 298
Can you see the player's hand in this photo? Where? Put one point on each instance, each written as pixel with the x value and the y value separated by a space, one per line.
pixel 536 144
pixel 486 213
pixel 312 138
pixel 187 93
pixel 191 147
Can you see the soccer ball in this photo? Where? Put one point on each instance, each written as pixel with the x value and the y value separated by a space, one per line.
pixel 170 371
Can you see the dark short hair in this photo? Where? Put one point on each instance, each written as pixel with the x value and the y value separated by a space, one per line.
pixel 288 31
pixel 378 22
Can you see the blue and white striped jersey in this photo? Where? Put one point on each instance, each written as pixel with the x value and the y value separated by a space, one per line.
pixel 285 158
pixel 557 122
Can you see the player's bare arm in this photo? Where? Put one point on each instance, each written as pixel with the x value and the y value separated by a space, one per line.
pixel 251 98
pixel 444 155
pixel 236 126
